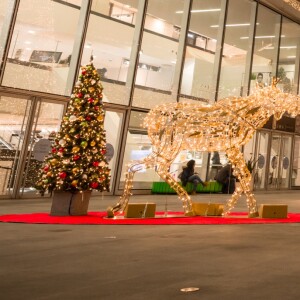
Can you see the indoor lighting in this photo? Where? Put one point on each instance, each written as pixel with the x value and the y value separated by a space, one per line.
pixel 233 25
pixel 291 56
pixel 199 10
pixel 288 47
pixel 260 37
pixel 294 3
pixel 31 31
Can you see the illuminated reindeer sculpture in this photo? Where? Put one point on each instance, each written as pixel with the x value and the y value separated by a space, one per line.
pixel 224 126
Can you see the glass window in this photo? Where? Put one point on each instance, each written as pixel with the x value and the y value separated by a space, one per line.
pixel 296 163
pixel 138 146
pixel 158 54
pixel 235 49
pixel 47 122
pixel 4 18
pixel 121 10
pixel 13 121
pixel 265 47
pixel 200 51
pixel 41 46
pixel 289 49
pixel 111 52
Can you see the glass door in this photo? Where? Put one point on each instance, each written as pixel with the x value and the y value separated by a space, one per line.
pixel 296 163
pixel 47 119
pixel 279 164
pixel 14 119
pixel 261 158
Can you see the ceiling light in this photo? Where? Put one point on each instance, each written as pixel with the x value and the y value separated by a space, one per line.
pixel 27 42
pixel 288 47
pixel 231 25
pixel 291 56
pixel 31 31
pixel 260 37
pixel 199 10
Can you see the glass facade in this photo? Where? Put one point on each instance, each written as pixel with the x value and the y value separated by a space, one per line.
pixel 147 52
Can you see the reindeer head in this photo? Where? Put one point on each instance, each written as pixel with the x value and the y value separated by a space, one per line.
pixel 280 102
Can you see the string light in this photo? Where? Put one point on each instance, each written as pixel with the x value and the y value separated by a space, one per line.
pixel 224 126
pixel 294 3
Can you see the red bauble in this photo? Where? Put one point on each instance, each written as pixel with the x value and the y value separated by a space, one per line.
pixel 94 185
pixel 103 151
pixel 61 150
pixel 83 72
pixel 88 118
pixel 95 163
pixel 53 150
pixel 62 175
pixel 79 95
pixel 96 107
pixel 76 157
pixel 46 168
pixel 90 100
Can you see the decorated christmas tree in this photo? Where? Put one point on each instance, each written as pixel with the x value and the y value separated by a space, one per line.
pixel 77 159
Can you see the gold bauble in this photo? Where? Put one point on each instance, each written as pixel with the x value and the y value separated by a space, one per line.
pixel 91 89
pixel 100 118
pixel 75 149
pixel 92 143
pixel 53 161
pixel 49 174
pixel 75 170
pixel 74 182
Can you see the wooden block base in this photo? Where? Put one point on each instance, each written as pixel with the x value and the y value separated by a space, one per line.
pixel 140 210
pixel 277 211
pixel 208 209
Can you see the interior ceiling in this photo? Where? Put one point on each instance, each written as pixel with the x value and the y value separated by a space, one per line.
pixel 284 8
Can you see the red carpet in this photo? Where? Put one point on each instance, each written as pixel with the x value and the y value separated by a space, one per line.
pixel 174 218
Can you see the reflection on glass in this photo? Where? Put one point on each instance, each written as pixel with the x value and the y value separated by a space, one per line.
pixel 138 146
pixel 41 46
pixel 285 162
pixel 111 51
pixel 3 15
pixel 47 122
pixel 121 10
pixel 158 54
pixel 289 49
pixel 262 150
pixel 265 47
pixel 200 52
pixel 13 120
pixel 235 49
pixel 296 163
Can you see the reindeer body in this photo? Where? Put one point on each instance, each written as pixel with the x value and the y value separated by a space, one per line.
pixel 224 126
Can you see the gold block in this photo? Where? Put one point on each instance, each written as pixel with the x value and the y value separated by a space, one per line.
pixel 208 209
pixel 140 210
pixel 278 211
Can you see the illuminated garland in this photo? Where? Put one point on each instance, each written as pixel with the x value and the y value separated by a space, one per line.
pixel 224 126
pixel 294 3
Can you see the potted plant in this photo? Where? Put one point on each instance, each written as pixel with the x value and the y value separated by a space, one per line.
pixel 76 164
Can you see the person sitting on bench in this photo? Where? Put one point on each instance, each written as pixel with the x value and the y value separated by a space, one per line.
pixel 188 175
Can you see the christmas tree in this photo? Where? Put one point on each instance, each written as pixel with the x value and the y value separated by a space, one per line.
pixel 77 159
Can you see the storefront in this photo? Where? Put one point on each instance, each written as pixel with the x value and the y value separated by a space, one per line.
pixel 147 52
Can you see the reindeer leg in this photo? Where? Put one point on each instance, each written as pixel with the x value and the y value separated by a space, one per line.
pixel 132 168
pixel 162 171
pixel 242 173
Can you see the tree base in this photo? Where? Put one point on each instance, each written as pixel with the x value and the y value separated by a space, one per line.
pixel 70 204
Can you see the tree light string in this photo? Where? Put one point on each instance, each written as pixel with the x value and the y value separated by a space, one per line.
pixel 225 126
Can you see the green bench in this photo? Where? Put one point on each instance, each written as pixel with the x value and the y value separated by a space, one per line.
pixel 164 188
